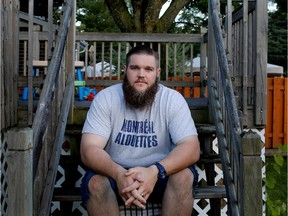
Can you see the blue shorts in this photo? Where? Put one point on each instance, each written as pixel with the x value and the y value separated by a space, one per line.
pixel 155 197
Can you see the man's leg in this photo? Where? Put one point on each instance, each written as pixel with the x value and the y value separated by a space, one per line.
pixel 102 199
pixel 178 196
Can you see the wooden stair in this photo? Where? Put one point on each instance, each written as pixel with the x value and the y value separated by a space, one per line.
pixel 68 193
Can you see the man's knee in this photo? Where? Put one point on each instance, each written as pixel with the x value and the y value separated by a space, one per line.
pixel 98 186
pixel 182 179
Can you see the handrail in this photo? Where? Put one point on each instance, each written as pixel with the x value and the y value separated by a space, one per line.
pixel 233 208
pixel 230 105
pixel 56 151
pixel 40 120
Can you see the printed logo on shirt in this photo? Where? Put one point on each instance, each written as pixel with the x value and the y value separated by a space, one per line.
pixel 138 134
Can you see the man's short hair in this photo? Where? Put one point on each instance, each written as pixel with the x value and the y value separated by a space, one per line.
pixel 142 49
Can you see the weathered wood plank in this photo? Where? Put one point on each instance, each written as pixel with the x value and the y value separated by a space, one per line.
pixel 203 66
pixel 135 37
pixel 2 105
pixel 37 81
pixel 41 35
pixel 41 117
pixel 56 151
pixel 239 14
pixel 38 63
pixel 252 174
pixel 19 158
pixel 30 62
pixel 14 59
pixel 212 192
pixel 9 67
pixel 50 32
pixel 244 62
pixel 1 69
pixel 72 61
pixel 261 62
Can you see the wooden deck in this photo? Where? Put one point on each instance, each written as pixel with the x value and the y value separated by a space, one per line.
pixel 235 77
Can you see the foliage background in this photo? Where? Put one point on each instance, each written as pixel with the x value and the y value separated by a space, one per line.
pixel 276 183
pixel 277 35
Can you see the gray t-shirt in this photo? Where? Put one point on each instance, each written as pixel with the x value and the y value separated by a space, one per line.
pixel 139 137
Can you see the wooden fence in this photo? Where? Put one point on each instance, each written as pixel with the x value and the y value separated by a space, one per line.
pixel 277 105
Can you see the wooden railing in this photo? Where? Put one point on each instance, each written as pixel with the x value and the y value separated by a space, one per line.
pixel 9 45
pixel 44 105
pixel 233 123
pixel 106 52
pixel 54 99
pixel 246 38
pixel 238 79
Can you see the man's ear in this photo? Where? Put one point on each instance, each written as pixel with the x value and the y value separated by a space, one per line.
pixel 125 68
pixel 158 72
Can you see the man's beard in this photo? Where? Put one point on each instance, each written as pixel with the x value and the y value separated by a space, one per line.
pixel 138 99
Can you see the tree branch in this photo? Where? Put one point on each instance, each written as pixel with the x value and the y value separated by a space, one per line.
pixel 151 15
pixel 136 5
pixel 170 14
pixel 121 15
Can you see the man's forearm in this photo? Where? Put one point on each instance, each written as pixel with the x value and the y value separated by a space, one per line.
pixel 182 156
pixel 98 160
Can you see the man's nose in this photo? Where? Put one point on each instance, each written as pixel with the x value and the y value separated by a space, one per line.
pixel 141 73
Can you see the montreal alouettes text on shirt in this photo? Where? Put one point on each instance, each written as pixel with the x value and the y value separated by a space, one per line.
pixel 137 134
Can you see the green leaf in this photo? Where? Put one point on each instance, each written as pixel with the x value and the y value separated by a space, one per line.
pixel 270 182
pixel 275 212
pixel 277 168
pixel 283 148
pixel 279 160
pixel 283 207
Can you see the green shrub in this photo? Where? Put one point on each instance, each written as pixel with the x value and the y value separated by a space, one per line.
pixel 276 183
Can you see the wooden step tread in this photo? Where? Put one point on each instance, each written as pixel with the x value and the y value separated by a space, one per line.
pixel 210 192
pixel 203 192
pixel 208 159
pixel 197 103
pixel 206 128
pixel 61 194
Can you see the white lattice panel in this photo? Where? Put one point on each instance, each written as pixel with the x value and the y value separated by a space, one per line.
pixel 3 173
pixel 202 211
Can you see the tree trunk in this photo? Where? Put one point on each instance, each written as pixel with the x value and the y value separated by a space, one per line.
pixel 143 15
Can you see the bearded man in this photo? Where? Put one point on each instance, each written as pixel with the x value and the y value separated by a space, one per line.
pixel 139 142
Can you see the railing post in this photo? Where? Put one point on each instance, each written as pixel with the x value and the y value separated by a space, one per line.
pixel 20 182
pixel 71 58
pixel 260 46
pixel 252 174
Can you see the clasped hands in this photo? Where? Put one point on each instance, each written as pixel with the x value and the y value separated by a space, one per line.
pixel 136 185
